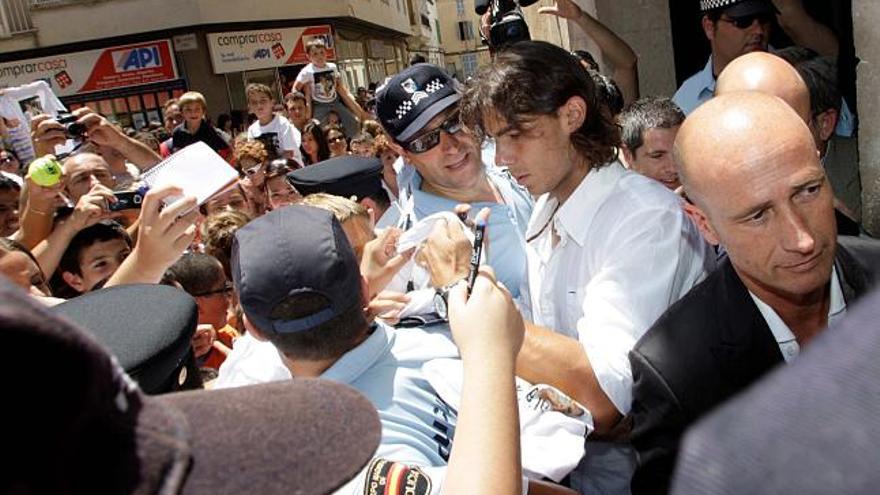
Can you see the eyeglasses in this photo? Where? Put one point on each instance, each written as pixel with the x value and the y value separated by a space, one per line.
pixel 746 22
pixel 336 139
pixel 431 139
pixel 226 290
pixel 7 159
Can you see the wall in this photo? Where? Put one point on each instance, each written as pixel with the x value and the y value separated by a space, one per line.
pixel 86 21
pixel 866 18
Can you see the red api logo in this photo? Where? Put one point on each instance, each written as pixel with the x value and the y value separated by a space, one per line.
pixel 145 57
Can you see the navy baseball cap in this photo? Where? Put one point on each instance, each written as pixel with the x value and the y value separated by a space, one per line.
pixel 295 250
pixel 346 176
pixel 410 99
pixel 739 8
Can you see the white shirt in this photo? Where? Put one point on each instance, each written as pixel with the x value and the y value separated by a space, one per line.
pixel 626 252
pixel 785 338
pixel 287 136
pixel 322 81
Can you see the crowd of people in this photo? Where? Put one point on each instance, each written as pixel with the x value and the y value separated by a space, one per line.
pixel 538 280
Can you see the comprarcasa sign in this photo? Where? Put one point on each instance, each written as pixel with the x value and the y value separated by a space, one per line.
pixel 238 51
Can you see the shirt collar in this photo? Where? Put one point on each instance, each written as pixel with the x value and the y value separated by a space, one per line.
pixel 574 217
pixel 707 77
pixel 780 330
pixel 358 360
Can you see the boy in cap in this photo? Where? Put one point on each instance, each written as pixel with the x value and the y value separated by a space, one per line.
pixel 419 110
pixel 308 300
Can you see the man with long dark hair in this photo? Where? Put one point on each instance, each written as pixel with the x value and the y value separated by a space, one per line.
pixel 608 249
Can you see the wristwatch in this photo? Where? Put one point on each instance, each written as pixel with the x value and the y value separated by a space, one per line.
pixel 441 301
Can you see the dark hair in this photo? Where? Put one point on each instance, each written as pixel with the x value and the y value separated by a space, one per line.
pixel 9 246
pixel 819 74
pixel 222 119
pixel 8 183
pixel 417 58
pixel 196 273
pixel 14 155
pixel 294 95
pixel 647 113
pixel 609 92
pixel 313 127
pixel 105 230
pixel 532 78
pixel 587 58
pixel 328 340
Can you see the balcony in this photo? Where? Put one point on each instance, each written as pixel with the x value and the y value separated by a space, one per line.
pixel 15 18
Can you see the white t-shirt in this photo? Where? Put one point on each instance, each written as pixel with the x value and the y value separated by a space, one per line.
pixel 322 81
pixel 286 136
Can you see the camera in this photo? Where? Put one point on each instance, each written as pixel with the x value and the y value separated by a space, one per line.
pixel 128 200
pixel 74 129
pixel 507 24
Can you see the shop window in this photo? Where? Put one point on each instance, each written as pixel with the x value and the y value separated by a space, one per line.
pixel 465 30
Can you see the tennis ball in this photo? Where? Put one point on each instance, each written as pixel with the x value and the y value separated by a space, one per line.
pixel 45 171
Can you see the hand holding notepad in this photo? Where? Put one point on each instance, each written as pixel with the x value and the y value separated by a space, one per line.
pixel 196 169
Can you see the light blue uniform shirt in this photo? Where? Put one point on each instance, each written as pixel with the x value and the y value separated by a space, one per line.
pixel 507 222
pixel 700 88
pixel 417 426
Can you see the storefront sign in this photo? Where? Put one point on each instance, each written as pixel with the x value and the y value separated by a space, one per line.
pixel 185 43
pixel 95 70
pixel 249 50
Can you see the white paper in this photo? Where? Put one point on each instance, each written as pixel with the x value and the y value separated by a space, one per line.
pixel 196 169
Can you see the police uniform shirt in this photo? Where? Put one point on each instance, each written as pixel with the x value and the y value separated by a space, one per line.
pixel 507 222
pixel 417 425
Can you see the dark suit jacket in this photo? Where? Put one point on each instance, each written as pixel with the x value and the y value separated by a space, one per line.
pixel 707 347
pixel 811 428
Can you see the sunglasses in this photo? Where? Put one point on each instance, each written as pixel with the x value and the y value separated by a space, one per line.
pixel 226 290
pixel 431 139
pixel 336 139
pixel 253 170
pixel 747 21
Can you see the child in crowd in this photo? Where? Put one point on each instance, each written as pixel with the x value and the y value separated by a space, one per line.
pixel 363 145
pixel 201 276
pixel 314 146
pixel 325 91
pixel 92 257
pixel 337 141
pixel 281 138
pixel 195 127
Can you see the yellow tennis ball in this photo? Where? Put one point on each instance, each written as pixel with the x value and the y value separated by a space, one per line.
pixel 45 171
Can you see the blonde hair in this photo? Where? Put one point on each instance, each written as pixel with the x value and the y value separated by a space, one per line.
pixel 193 97
pixel 343 209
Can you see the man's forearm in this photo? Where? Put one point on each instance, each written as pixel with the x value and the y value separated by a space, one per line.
pixel 138 153
pixel 554 359
pixel 806 31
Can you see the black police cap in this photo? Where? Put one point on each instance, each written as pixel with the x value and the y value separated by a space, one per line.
pixel 345 176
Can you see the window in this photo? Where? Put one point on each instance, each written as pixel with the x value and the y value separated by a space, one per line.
pixel 465 30
pixel 459 7
pixel 469 64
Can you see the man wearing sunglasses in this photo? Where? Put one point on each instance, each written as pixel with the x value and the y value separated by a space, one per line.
pixel 737 27
pixel 443 166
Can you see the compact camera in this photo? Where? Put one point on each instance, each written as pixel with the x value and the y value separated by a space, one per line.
pixel 74 129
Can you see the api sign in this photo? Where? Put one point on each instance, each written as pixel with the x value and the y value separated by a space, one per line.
pixel 137 59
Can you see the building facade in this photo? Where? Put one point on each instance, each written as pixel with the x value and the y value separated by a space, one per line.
pixel 125 58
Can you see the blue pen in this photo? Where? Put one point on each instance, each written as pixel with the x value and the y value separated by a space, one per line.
pixel 479 233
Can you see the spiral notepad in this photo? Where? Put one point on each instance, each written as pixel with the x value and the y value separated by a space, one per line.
pixel 196 169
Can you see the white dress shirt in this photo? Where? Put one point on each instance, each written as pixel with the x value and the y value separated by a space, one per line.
pixel 625 252
pixel 785 338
